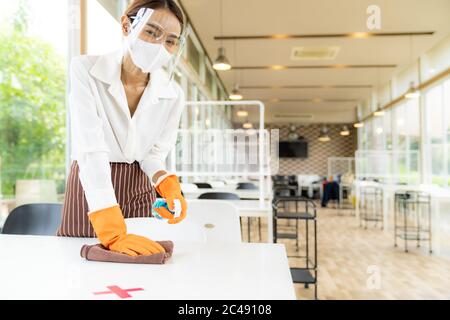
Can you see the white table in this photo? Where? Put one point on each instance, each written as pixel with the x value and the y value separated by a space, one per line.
pixel 247 194
pixel 51 268
pixel 253 208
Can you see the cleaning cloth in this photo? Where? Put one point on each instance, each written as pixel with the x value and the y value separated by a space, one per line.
pixel 98 252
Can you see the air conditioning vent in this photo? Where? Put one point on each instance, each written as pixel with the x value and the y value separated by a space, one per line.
pixel 314 53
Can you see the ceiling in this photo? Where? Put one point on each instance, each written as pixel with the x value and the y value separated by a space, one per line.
pixel 304 17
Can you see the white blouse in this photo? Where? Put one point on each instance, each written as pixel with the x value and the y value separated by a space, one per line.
pixel 103 130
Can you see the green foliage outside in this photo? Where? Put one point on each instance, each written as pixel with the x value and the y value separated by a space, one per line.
pixel 32 107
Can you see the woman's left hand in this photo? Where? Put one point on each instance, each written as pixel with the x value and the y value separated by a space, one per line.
pixel 170 190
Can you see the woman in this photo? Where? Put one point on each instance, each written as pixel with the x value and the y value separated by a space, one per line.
pixel 125 113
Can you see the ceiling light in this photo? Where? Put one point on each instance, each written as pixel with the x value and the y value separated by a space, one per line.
pixel 280 36
pixel 236 93
pixel 358 125
pixel 412 93
pixel 221 63
pixel 359 35
pixel 378 113
pixel 379 130
pixel 247 125
pixel 277 67
pixel 324 137
pixel 242 113
pixel 345 131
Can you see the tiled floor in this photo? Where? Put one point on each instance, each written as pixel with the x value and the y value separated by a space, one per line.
pixel 355 263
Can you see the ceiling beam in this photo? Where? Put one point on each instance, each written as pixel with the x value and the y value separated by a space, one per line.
pixel 309 87
pixel 328 66
pixel 351 35
pixel 315 100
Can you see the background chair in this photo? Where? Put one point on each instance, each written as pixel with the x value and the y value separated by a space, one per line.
pixel 219 219
pixel 41 219
pixel 228 196
pixel 219 196
pixel 246 186
pixel 203 185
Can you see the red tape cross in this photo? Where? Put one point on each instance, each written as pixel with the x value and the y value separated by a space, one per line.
pixel 122 293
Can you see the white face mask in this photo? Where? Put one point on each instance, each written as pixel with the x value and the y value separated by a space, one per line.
pixel 148 56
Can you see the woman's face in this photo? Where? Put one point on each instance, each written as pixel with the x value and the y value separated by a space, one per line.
pixel 162 27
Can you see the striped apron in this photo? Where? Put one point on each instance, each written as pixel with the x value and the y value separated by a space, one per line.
pixel 133 190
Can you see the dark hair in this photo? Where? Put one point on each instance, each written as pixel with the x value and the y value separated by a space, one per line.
pixel 136 5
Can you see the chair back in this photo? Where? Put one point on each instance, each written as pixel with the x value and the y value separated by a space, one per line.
pixel 219 219
pixel 203 185
pixel 246 186
pixel 219 196
pixel 39 219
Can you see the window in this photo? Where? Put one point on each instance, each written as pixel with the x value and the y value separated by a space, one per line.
pixel 208 79
pixel 437 102
pixel 33 61
pixel 193 55
pixel 406 140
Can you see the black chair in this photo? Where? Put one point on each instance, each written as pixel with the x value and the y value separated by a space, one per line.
pixel 284 191
pixel 292 180
pixel 246 186
pixel 219 196
pixel 279 180
pixel 40 219
pixel 203 185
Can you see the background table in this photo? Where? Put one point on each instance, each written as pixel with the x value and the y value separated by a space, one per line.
pixel 253 208
pixel 243 194
pixel 51 268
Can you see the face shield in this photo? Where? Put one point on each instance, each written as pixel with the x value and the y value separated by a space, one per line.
pixel 154 41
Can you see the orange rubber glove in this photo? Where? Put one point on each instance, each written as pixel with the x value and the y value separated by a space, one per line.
pixel 111 230
pixel 170 190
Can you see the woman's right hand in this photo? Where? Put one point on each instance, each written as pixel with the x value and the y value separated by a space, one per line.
pixel 111 230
